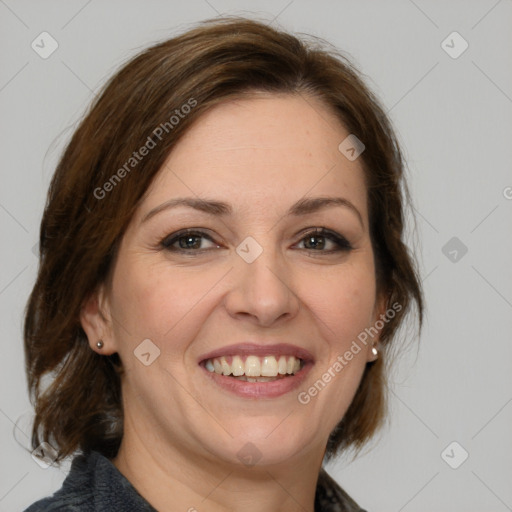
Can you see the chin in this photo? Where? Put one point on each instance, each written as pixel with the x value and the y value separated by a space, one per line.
pixel 265 442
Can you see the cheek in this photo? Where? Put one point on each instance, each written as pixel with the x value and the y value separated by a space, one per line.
pixel 157 303
pixel 344 307
pixel 344 303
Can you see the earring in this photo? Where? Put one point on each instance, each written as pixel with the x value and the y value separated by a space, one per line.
pixel 374 351
pixel 99 344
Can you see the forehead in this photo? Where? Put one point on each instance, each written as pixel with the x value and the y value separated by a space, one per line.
pixel 268 150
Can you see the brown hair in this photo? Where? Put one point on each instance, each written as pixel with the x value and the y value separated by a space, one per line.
pixel 82 225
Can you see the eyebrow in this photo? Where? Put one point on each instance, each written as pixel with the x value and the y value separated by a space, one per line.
pixel 218 208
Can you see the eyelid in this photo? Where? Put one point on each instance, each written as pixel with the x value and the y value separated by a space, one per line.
pixel 341 242
pixel 166 242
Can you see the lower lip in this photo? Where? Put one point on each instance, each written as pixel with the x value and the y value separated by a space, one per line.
pixel 272 389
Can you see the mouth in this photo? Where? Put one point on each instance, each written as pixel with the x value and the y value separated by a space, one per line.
pixel 253 368
pixel 258 371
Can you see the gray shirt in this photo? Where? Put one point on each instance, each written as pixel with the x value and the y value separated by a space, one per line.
pixel 94 484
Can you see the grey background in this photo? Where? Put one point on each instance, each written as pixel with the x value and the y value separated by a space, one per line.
pixel 454 118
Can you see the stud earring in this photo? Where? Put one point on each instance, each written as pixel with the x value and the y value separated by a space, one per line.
pixel 99 344
pixel 374 351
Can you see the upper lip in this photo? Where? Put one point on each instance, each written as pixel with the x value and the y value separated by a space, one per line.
pixel 247 349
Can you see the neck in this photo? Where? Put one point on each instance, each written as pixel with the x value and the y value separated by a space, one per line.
pixel 173 478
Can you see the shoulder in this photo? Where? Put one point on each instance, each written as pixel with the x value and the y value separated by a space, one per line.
pixel 94 484
pixel 77 490
pixel 330 497
pixel 54 504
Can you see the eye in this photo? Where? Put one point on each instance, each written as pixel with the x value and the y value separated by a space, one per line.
pixel 318 239
pixel 188 240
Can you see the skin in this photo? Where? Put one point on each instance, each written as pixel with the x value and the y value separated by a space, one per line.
pixel 182 433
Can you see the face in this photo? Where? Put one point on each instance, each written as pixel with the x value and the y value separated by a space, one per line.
pixel 252 269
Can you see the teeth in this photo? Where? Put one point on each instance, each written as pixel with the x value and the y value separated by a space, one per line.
pixel 257 379
pixel 260 379
pixel 238 366
pixel 282 365
pixel 226 368
pixel 252 366
pixel 269 367
pixel 254 369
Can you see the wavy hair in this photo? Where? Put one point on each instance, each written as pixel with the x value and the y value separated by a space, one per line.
pixel 216 61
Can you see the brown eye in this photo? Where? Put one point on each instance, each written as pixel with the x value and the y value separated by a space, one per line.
pixel 188 241
pixel 319 239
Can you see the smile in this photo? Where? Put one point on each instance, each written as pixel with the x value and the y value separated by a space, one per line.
pixel 253 368
pixel 257 371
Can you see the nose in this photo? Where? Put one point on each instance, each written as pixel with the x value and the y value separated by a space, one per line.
pixel 261 291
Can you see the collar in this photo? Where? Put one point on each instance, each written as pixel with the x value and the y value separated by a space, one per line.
pixel 94 484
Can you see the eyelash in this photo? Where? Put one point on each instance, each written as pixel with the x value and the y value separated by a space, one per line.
pixel 167 243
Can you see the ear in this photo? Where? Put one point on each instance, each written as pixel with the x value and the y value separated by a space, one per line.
pixel 378 322
pixel 95 319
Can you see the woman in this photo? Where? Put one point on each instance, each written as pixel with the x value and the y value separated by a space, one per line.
pixel 222 274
